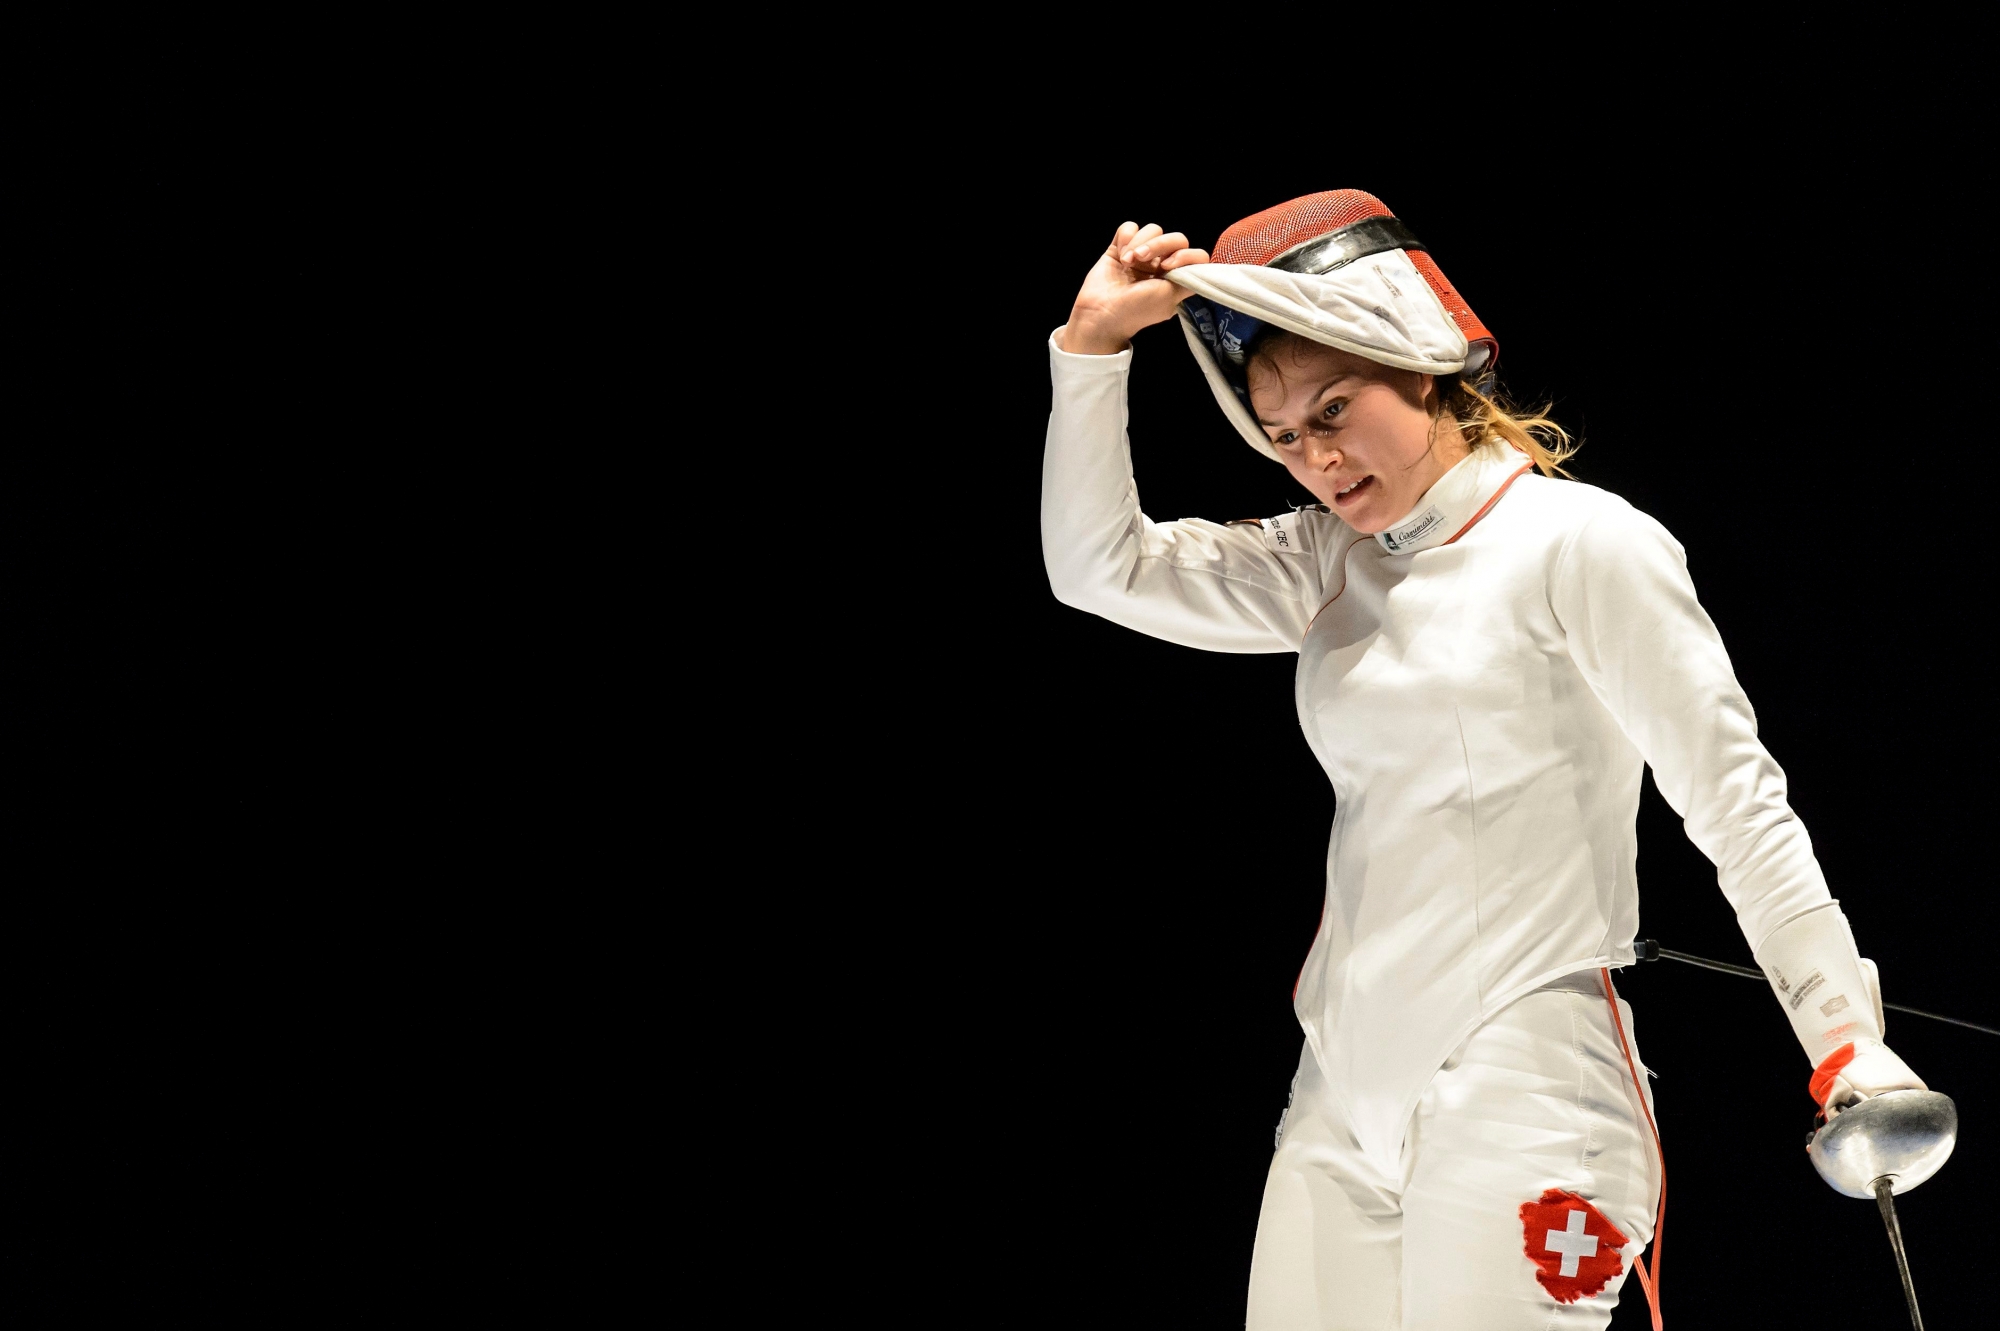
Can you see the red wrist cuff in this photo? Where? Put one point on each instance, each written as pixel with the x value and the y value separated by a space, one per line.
pixel 1821 1085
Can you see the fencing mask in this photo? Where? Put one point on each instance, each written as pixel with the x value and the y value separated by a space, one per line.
pixel 1338 268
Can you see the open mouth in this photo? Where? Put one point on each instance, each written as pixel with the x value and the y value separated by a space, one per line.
pixel 1352 492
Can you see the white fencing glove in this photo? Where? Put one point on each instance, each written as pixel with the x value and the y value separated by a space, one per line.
pixel 1834 999
pixel 1873 976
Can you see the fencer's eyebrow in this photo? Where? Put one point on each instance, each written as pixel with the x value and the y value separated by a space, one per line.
pixel 1325 388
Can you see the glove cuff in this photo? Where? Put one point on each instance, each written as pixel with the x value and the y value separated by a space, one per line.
pixel 1816 974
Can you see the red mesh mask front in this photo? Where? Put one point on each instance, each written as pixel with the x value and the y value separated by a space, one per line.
pixel 1264 236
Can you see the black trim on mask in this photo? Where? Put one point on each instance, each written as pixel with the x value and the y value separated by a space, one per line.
pixel 1337 249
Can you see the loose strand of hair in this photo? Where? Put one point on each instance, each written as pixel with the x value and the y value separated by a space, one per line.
pixel 1521 429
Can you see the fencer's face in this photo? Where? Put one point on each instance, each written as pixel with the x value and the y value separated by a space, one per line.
pixel 1355 434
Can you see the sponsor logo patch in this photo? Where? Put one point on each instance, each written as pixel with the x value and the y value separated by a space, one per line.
pixel 1806 986
pixel 1402 538
pixel 1284 534
pixel 1575 1249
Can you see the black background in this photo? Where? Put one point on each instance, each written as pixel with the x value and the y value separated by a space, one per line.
pixel 331 795
pixel 1769 327
pixel 375 504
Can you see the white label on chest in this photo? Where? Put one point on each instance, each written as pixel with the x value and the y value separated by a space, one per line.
pixel 1398 539
pixel 1285 534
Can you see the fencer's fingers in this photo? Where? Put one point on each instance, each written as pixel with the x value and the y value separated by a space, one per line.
pixel 1139 241
pixel 1121 238
pixel 1145 233
pixel 1182 258
pixel 1158 248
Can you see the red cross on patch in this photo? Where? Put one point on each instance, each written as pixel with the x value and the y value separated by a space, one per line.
pixel 1574 1248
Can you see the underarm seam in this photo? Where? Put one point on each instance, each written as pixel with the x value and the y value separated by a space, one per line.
pixel 1287 593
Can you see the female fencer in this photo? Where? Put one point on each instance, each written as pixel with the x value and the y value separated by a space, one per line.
pixel 1488 654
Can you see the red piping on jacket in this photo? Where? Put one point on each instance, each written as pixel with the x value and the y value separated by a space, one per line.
pixel 1470 522
pixel 1526 467
pixel 1343 579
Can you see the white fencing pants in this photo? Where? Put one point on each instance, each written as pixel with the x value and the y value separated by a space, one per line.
pixel 1538 1098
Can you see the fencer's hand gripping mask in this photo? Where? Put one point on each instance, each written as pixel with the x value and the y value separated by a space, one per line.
pixel 1338 268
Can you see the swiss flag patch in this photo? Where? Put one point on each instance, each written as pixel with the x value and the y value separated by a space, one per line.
pixel 1574 1248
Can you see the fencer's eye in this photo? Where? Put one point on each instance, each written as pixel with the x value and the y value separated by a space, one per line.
pixel 1333 408
pixel 1287 439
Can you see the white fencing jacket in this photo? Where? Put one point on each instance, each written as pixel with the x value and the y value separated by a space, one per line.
pixel 1483 684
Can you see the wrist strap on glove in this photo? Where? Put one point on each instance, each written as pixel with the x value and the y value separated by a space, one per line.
pixel 1821 1085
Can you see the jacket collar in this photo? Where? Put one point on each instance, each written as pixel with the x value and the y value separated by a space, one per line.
pixel 1459 498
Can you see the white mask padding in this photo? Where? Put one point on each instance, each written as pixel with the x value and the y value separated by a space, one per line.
pixel 1379 307
pixel 1232 405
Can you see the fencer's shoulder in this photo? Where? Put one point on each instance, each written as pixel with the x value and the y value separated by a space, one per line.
pixel 1572 506
pixel 1570 501
pixel 1306 530
pixel 1584 518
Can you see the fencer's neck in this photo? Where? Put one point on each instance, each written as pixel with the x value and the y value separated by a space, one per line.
pixel 1455 500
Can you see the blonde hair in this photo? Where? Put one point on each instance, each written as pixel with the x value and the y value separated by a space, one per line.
pixel 1484 418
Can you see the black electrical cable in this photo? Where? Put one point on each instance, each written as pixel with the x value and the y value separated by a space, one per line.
pixel 1649 949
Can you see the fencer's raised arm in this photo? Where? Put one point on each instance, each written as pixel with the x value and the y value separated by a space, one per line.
pixel 1652 656
pixel 1202 584
pixel 1127 289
